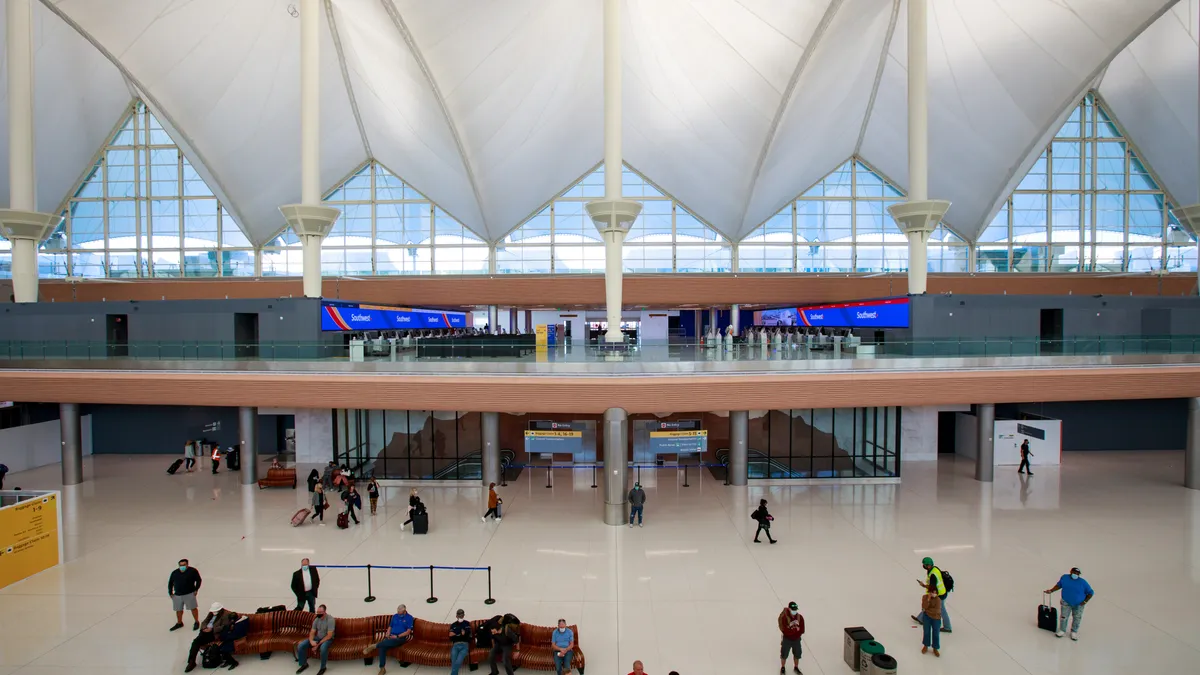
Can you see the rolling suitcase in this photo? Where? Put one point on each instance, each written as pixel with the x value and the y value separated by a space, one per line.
pixel 174 467
pixel 421 523
pixel 1047 618
pixel 343 520
pixel 300 516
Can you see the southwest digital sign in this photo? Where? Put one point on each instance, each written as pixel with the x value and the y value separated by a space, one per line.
pixel 886 313
pixel 344 316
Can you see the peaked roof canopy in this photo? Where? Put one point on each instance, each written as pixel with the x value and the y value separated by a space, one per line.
pixel 732 106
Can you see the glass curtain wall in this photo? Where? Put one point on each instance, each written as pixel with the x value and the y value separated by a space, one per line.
pixel 825 443
pixel 386 228
pixel 842 224
pixel 561 239
pixel 1088 204
pixel 142 210
pixel 410 444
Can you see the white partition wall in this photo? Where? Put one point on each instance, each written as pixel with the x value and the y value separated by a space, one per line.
pixel 1044 436
pixel 33 445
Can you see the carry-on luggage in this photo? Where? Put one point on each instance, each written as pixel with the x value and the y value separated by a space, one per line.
pixel 212 657
pixel 421 523
pixel 174 467
pixel 343 520
pixel 233 460
pixel 300 516
pixel 1047 615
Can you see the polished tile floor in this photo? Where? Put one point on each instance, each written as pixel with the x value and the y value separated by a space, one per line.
pixel 689 592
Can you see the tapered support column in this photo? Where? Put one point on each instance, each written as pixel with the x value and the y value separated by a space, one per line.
pixel 1191 459
pixel 72 443
pixel 21 224
pixel 309 219
pixel 985 459
pixel 739 441
pixel 735 319
pixel 491 448
pixel 493 318
pixel 616 466
pixel 248 444
pixel 919 216
pixel 612 215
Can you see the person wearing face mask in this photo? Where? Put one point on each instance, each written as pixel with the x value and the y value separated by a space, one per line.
pixel 182 586
pixel 791 628
pixel 320 639
pixel 562 641
pixel 305 582
pixel 400 630
pixel 214 624
pixel 637 502
pixel 460 641
pixel 1076 592
pixel 936 578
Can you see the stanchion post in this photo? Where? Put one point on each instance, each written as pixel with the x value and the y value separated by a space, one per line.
pixel 685 481
pixel 726 465
pixel 548 467
pixel 593 475
pixel 639 470
pixel 503 475
pixel 432 598
pixel 490 600
pixel 370 596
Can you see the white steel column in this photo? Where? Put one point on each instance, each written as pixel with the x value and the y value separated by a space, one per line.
pixel 919 215
pixel 309 219
pixel 21 224
pixel 612 215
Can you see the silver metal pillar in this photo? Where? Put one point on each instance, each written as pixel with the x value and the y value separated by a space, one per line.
pixel 491 448
pixel 739 440
pixel 493 318
pixel 248 436
pixel 985 462
pixel 72 443
pixel 735 319
pixel 616 466
pixel 1191 458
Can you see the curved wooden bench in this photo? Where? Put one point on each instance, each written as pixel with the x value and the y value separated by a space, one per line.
pixel 278 478
pixel 430 646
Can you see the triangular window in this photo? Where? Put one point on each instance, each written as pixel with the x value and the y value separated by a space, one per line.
pixel 1088 203
pixel 143 210
pixel 387 227
pixel 842 224
pixel 560 237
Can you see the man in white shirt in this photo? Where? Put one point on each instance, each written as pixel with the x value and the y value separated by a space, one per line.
pixel 305 582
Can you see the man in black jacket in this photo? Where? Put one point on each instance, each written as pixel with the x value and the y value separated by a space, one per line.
pixel 182 586
pixel 305 582
pixel 216 622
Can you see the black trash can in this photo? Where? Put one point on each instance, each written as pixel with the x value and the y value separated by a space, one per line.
pixel 882 664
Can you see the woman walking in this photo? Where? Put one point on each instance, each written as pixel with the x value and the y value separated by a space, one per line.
pixel 318 503
pixel 931 611
pixel 313 479
pixel 494 503
pixel 189 457
pixel 764 521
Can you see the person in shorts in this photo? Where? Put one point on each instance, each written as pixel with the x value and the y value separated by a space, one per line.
pixel 791 628
pixel 182 586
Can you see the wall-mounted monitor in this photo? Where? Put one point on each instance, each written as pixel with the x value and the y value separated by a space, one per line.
pixel 885 313
pixel 348 316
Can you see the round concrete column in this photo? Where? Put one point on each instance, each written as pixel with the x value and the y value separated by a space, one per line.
pixel 616 466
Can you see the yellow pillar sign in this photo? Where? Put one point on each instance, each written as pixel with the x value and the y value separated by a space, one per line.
pixel 29 538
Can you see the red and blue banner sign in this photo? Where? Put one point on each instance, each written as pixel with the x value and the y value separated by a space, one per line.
pixel 347 316
pixel 885 313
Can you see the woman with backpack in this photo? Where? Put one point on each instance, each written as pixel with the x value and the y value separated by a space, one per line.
pixel 764 519
pixel 413 502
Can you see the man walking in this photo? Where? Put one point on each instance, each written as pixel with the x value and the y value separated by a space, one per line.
pixel 182 586
pixel 1025 455
pixel 216 458
pixel 399 632
pixel 791 627
pixel 305 582
pixel 320 639
pixel 1076 592
pixel 637 502
pixel 936 578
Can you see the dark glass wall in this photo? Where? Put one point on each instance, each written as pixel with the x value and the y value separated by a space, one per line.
pixel 410 444
pixel 825 443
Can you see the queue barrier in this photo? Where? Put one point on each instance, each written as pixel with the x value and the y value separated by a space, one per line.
pixel 637 467
pixel 432 598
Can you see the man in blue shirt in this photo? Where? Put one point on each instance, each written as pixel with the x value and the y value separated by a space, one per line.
pixel 563 641
pixel 1076 592
pixel 399 632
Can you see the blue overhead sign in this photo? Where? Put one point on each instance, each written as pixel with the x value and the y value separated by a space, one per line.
pixel 886 313
pixel 347 316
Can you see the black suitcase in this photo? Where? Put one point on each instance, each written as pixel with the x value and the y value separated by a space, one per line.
pixel 174 466
pixel 1047 618
pixel 233 460
pixel 343 520
pixel 421 523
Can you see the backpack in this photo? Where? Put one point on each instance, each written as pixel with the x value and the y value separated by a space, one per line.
pixel 212 657
pixel 754 515
pixel 947 580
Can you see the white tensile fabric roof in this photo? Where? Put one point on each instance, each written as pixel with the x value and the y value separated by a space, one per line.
pixel 490 108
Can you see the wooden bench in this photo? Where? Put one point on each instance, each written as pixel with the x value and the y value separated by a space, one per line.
pixel 278 478
pixel 430 645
